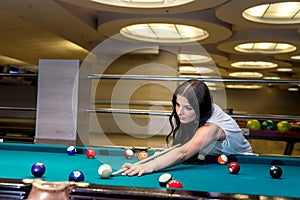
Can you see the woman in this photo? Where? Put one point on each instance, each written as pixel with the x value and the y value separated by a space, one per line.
pixel 201 126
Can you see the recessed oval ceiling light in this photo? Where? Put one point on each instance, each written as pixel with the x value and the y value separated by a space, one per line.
pixel 271 77
pixel 194 70
pixel 275 13
pixel 193 58
pixel 164 32
pixel 254 65
pixel 297 57
pixel 144 3
pixel 243 86
pixel 293 89
pixel 265 47
pixel 246 74
pixel 284 70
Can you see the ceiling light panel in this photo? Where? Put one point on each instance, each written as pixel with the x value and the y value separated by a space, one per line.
pixel 191 31
pixel 194 70
pixel 284 69
pixel 243 86
pixel 297 57
pixel 187 69
pixel 272 77
pixel 285 10
pixel 254 65
pixel 164 32
pixel 139 30
pixel 265 47
pixel 193 58
pixel 144 3
pixel 246 74
pixel 276 13
pixel 293 89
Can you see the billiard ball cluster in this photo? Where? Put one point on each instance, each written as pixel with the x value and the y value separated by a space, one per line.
pixel 90 152
pixel 168 181
pixel 104 170
pixel 141 154
pixel 38 169
pixel 234 167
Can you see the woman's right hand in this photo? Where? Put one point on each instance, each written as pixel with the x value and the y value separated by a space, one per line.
pixel 137 169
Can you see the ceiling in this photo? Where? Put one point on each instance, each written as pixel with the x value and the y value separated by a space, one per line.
pixel 69 29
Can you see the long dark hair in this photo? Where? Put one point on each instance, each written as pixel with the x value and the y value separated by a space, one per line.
pixel 199 97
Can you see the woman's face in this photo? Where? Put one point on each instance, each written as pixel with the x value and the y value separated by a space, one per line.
pixel 184 110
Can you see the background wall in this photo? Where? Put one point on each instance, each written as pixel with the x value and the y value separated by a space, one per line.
pixel 18 95
pixel 155 95
pixel 267 100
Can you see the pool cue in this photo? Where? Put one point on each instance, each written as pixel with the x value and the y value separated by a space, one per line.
pixel 147 159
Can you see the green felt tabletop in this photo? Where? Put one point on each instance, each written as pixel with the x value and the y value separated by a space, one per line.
pixel 253 178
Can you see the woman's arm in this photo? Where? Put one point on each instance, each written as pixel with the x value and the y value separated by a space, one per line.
pixel 203 137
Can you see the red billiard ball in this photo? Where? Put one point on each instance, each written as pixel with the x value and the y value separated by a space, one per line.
pixel 90 153
pixel 71 150
pixel 143 155
pixel 234 167
pixel 222 159
pixel 174 184
pixel 76 176
pixel 38 169
pixel 275 171
pixel 128 153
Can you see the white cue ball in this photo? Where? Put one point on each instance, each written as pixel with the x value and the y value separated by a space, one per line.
pixel 105 171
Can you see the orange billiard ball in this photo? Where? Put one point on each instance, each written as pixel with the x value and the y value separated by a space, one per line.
pixel 222 159
pixel 143 155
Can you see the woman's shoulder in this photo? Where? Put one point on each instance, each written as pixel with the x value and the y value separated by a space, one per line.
pixel 216 107
pixel 218 114
pixel 217 110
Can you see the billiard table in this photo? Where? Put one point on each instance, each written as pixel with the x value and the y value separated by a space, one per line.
pixel 201 178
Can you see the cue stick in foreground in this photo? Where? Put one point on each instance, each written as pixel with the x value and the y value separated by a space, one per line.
pixel 147 159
